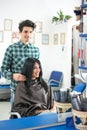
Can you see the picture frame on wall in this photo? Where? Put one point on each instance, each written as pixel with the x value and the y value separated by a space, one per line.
pixel 55 37
pixel 62 38
pixel 1 36
pixel 15 37
pixel 45 39
pixel 38 27
pixel 7 24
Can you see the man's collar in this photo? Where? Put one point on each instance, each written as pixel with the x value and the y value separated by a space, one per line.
pixel 23 44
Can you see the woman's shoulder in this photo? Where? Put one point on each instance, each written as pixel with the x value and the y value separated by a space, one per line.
pixel 44 83
pixel 21 87
pixel 21 84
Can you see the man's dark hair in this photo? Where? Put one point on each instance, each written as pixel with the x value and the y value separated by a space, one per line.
pixel 26 23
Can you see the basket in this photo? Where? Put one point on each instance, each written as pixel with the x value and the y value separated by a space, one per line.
pixel 63 107
pixel 63 111
pixel 80 119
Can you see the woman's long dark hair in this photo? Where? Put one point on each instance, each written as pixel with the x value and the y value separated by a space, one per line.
pixel 27 70
pixel 28 67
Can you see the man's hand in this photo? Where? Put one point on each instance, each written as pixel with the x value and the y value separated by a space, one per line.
pixel 19 77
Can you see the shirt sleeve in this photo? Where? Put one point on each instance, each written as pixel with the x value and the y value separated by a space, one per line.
pixel 6 64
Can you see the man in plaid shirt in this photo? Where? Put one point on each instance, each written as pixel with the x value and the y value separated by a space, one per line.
pixel 16 54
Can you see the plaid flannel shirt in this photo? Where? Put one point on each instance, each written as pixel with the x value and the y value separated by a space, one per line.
pixel 14 59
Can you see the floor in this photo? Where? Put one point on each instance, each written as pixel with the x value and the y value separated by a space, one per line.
pixel 4 110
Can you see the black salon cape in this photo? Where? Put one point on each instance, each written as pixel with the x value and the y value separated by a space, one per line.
pixel 29 99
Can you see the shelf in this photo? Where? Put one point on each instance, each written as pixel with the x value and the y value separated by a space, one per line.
pixel 83 67
pixel 84 6
pixel 83 35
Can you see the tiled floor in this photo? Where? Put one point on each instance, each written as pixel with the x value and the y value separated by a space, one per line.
pixel 4 110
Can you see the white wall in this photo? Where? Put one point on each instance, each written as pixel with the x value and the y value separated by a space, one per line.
pixel 52 56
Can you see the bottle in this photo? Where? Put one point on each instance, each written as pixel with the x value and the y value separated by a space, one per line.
pixel 75 103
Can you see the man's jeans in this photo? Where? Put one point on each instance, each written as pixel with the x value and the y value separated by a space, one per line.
pixel 12 98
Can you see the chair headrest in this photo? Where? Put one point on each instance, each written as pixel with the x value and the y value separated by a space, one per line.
pixel 80 87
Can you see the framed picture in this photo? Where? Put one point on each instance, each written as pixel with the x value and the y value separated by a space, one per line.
pixel 15 37
pixel 7 24
pixel 62 38
pixel 38 27
pixel 45 39
pixel 55 38
pixel 1 36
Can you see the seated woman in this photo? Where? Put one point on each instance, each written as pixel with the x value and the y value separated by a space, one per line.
pixel 33 96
